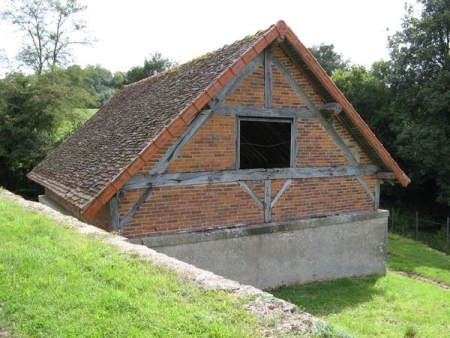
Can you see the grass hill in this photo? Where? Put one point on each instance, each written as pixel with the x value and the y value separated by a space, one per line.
pixel 61 278
pixel 57 282
pixel 413 300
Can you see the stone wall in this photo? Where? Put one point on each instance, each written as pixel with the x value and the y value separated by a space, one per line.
pixel 287 253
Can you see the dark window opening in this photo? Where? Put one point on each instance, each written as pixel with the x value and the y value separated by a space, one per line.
pixel 264 143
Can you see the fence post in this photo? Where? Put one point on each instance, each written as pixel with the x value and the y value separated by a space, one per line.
pixel 448 236
pixel 417 225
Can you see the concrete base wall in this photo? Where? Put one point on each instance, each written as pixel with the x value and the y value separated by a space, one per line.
pixel 287 253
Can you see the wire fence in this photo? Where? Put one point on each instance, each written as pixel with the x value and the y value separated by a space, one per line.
pixel 434 233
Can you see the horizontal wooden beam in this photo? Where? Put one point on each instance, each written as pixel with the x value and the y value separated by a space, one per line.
pixel 263 112
pixel 214 177
pixel 386 176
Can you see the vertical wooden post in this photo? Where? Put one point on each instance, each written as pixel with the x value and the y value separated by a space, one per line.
pixel 267 202
pixel 448 236
pixel 267 79
pixel 113 214
pixel 417 225
pixel 377 193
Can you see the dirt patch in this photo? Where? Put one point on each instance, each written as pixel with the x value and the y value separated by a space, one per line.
pixel 276 317
pixel 423 279
pixel 4 334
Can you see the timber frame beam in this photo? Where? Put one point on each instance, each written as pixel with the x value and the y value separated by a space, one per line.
pixel 229 176
pixel 323 121
pixel 157 178
pixel 196 124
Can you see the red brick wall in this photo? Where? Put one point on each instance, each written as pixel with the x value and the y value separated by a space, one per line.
pixel 283 96
pixel 250 93
pixel 212 148
pixel 316 197
pixel 315 148
pixel 191 208
pixel 178 209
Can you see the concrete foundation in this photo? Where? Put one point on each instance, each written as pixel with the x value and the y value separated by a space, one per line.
pixel 271 255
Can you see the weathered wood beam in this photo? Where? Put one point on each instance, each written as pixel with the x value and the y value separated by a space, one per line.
pixel 294 132
pixel 267 79
pixel 323 121
pixel 172 153
pixel 252 194
pixel 227 176
pixel 129 215
pixel 267 202
pixel 377 193
pixel 293 57
pixel 234 83
pixel 113 214
pixel 366 187
pixel 386 176
pixel 263 112
pixel 280 193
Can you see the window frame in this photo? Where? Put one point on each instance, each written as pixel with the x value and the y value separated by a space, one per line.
pixel 292 120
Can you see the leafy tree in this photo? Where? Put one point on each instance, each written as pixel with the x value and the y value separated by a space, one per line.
pixel 32 108
pixel 329 59
pixel 419 78
pixel 156 64
pixel 102 84
pixel 99 83
pixel 369 93
pixel 50 27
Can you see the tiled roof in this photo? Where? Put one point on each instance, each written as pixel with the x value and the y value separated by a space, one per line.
pixel 96 161
pixel 92 157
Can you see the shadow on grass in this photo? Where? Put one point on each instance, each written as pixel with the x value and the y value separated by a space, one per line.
pixel 322 299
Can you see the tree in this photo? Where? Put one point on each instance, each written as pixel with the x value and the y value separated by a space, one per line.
pixel 329 59
pixel 99 83
pixel 156 64
pixel 32 108
pixel 419 78
pixel 50 27
pixel 369 93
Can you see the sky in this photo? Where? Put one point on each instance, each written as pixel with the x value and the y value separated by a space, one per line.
pixel 128 32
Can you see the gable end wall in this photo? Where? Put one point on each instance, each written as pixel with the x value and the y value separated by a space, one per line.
pixel 171 210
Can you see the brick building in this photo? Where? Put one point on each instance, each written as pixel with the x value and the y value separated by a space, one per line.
pixel 247 161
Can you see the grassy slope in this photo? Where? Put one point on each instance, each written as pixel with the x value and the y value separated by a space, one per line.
pixel 417 258
pixel 54 282
pixel 393 306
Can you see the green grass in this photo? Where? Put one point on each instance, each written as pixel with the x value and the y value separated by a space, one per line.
pixel 57 283
pixel 417 258
pixel 393 306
